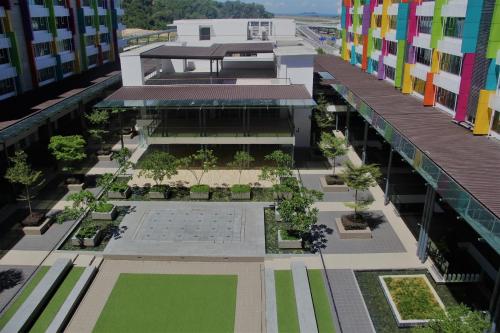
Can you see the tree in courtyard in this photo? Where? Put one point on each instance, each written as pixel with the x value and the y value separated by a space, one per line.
pixel 202 161
pixel 359 178
pixel 159 165
pixel 332 147
pixel 279 172
pixel 297 212
pixel 122 157
pixel 457 319
pixel 97 120
pixel 68 150
pixel 83 200
pixel 241 161
pixel 21 173
pixel 120 112
pixel 322 117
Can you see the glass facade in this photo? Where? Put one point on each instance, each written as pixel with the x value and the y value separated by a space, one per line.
pixel 450 63
pixel 419 86
pixel 454 27
pixel 446 98
pixel 425 24
pixel 423 56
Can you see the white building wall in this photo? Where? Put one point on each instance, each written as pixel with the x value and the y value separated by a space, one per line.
pixel 134 74
pixel 298 68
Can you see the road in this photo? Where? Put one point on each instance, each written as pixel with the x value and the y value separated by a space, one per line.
pixel 313 39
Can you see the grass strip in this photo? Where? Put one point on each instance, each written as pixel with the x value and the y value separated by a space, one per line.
pixel 322 308
pixel 288 321
pixel 57 300
pixel 22 297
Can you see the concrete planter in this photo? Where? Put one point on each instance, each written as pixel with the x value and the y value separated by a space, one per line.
pixel 199 195
pixel 159 195
pixel 120 195
pixel 288 244
pixel 241 195
pixel 88 242
pixel 407 322
pixel 108 216
pixel 282 195
pixel 105 158
pixel 39 230
pixel 332 188
pixel 352 234
pixel 75 187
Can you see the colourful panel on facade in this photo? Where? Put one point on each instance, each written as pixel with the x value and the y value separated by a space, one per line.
pixel 483 114
pixel 465 85
pixel 407 83
pixel 494 38
pixel 353 55
pixel 369 69
pixel 385 18
pixel 412 22
pixel 435 61
pixel 355 16
pixel 381 69
pixel 402 21
pixel 364 59
pixel 366 19
pixel 437 23
pixel 471 26
pixel 430 90
pixel 398 79
pixel 343 18
pixel 492 76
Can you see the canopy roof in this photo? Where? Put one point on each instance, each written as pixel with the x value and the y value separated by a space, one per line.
pixel 214 52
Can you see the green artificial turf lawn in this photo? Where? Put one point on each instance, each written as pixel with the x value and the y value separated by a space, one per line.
pixel 322 308
pixel 170 303
pixel 57 300
pixel 288 321
pixel 24 294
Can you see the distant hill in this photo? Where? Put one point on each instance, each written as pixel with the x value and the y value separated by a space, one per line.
pixel 158 14
pixel 307 14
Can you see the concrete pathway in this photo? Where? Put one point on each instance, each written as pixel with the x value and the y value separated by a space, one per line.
pixel 249 302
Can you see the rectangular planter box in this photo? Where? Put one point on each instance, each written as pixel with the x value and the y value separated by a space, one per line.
pixel 88 242
pixel 288 244
pixel 199 195
pixel 105 158
pixel 75 187
pixel 158 195
pixel 119 195
pixel 282 195
pixel 352 234
pixel 109 216
pixel 407 322
pixel 39 230
pixel 241 196
pixel 332 188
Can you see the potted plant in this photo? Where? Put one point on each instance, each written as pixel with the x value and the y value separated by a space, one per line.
pixel 158 166
pixel 297 216
pixel 357 178
pixel 69 150
pixel 279 173
pixel 89 235
pixel 202 161
pixel 332 148
pixel 97 120
pixel 119 189
pixel 20 172
pixel 241 162
pixel 103 210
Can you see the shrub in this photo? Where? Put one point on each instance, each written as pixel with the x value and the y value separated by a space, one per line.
pixel 200 188
pixel 118 186
pixel 103 207
pixel 68 214
pixel 240 188
pixel 87 231
pixel 159 188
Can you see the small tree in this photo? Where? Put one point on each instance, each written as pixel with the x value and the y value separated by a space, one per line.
pixel 120 112
pixel 332 147
pixel 21 173
pixel 281 167
pixel 98 120
pixel 241 161
pixel 323 118
pixel 68 150
pixel 122 157
pixel 360 179
pixel 203 160
pixel 297 212
pixel 159 165
pixel 457 319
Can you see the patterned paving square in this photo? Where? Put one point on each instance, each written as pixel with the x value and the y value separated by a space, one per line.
pixel 222 225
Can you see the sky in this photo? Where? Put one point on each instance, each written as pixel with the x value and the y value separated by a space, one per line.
pixel 299 6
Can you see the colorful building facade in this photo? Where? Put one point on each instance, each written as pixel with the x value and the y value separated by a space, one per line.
pixel 443 51
pixel 44 41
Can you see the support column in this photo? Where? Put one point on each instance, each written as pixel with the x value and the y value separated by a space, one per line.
pixel 211 68
pixel 423 237
pixel 495 304
pixel 347 123
pixel 365 139
pixel 388 179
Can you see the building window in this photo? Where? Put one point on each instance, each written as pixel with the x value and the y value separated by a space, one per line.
pixel 377 44
pixel 374 65
pixel 67 67
pixel 65 45
pixel 2 30
pixel 4 56
pixel 39 23
pixel 87 3
pixel 46 74
pixel 393 22
pixel 423 56
pixel 104 38
pixel 42 49
pixel 88 20
pixel 378 21
pixel 105 56
pixel 425 24
pixel 495 126
pixel 90 40
pixel 62 22
pixel 7 86
pixel 419 86
pixel 454 27
pixel 392 47
pixel 390 72
pixel 446 98
pixel 61 3
pixel 93 60
pixel 358 58
pixel 37 2
pixel 450 63
pixel 102 20
pixel 204 33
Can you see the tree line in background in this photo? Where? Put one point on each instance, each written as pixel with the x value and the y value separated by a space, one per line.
pixel 157 14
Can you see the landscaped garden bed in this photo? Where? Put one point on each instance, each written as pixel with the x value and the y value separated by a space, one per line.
pixel 288 239
pixel 412 299
pixel 170 303
pixel 272 240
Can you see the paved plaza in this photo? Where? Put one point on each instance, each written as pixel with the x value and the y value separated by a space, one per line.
pixel 190 229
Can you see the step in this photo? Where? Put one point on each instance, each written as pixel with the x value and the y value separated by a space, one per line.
pixel 271 310
pixel 305 307
pixel 32 306
pixel 64 314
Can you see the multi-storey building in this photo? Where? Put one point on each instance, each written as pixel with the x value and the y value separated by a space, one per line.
pixel 43 41
pixel 442 51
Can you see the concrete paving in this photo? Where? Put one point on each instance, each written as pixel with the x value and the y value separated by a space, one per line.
pixel 312 181
pixel 305 307
pixel 191 229
pixel 7 294
pixel 271 309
